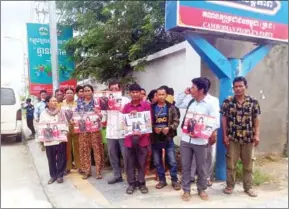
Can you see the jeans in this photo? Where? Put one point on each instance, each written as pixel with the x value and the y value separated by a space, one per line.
pixel 170 155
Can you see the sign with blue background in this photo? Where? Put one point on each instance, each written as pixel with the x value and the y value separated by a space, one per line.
pixel 40 71
pixel 266 20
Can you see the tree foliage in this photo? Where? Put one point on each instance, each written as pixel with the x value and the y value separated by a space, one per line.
pixel 112 34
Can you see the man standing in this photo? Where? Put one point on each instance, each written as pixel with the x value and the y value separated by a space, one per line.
pixel 30 117
pixel 115 138
pixel 211 152
pixel 240 122
pixel 39 107
pixel 191 145
pixel 165 121
pixel 136 145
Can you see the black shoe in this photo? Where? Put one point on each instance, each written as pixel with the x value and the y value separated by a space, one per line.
pixel 115 180
pixel 130 189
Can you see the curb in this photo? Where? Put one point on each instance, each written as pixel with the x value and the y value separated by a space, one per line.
pixel 65 195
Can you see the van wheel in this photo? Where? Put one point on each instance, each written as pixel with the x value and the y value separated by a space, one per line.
pixel 19 138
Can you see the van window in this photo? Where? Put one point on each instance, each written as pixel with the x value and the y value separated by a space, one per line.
pixel 7 96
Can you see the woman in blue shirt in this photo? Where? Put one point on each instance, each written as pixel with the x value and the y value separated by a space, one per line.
pixel 90 140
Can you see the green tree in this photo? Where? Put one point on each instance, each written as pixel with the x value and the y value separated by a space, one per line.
pixel 112 34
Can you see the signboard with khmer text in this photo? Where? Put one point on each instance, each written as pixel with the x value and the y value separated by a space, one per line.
pixel 40 71
pixel 253 20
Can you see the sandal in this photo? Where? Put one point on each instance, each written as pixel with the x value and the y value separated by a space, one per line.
pixel 161 185
pixel 98 176
pixel 86 176
pixel 130 189
pixel 52 180
pixel 203 195
pixel 186 196
pixel 66 172
pixel 251 193
pixel 143 189
pixel 209 183
pixel 176 185
pixel 228 190
pixel 60 180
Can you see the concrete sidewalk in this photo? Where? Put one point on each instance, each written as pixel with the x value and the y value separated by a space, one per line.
pixel 75 192
pixel 92 193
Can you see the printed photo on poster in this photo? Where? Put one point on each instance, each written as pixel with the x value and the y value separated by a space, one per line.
pixel 104 118
pixel 115 127
pixel 48 132
pixel 199 125
pixel 86 122
pixel 109 100
pixel 68 112
pixel 139 122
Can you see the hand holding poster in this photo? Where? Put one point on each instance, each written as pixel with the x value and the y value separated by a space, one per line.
pixel 137 123
pixel 48 132
pixel 86 122
pixel 198 125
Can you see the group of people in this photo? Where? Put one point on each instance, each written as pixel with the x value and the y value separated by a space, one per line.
pixel 240 123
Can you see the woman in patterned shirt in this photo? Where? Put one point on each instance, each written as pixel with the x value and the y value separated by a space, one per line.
pixel 90 140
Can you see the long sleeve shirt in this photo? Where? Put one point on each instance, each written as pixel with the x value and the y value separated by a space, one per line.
pixel 39 107
pixel 208 106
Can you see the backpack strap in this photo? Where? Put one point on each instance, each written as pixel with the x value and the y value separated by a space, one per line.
pixel 191 102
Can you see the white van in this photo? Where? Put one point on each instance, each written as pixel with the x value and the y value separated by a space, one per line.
pixel 11 115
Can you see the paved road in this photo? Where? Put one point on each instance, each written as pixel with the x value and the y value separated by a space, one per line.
pixel 20 184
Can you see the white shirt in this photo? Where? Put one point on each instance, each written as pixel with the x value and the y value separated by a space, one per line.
pixel 209 106
pixel 39 107
pixel 114 118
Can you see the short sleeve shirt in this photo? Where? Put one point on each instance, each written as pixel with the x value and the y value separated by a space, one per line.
pixel 82 106
pixel 240 118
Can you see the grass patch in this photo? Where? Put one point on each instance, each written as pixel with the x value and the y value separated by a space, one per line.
pixel 259 177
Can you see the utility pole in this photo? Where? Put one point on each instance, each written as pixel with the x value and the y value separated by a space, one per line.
pixel 53 44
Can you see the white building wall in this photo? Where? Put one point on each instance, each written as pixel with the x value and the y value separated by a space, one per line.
pixel 175 67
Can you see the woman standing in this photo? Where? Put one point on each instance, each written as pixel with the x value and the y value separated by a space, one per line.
pixel 72 148
pixel 55 150
pixel 90 140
